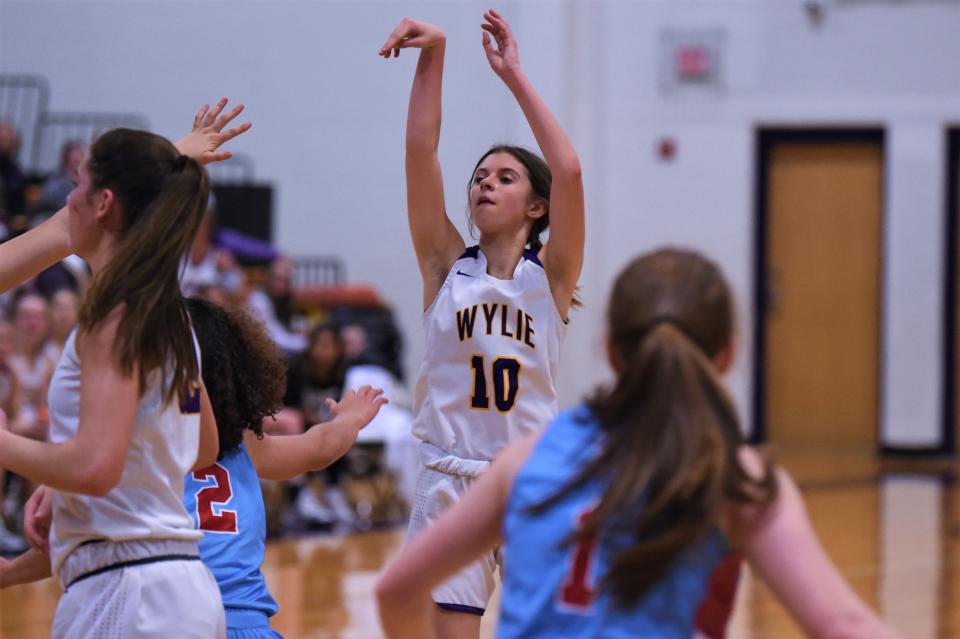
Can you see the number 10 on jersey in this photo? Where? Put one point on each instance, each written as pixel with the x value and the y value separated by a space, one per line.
pixel 505 375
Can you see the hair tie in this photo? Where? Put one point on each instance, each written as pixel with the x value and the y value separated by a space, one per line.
pixel 179 163
pixel 657 320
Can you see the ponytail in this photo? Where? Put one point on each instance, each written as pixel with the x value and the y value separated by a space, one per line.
pixel 162 197
pixel 670 455
pixel 539 226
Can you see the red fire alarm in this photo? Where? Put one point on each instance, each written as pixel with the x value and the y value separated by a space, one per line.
pixel 666 149
pixel 693 62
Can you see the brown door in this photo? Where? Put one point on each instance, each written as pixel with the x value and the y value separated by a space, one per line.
pixel 822 307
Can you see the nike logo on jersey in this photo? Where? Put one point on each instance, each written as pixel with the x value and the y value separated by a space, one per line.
pixel 459 272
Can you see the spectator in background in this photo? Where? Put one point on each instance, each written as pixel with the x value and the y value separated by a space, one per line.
pixel 356 344
pixel 4 229
pixel 392 426
pixel 64 307
pixel 312 378
pixel 207 266
pixel 273 305
pixel 32 363
pixel 9 386
pixel 371 336
pixel 14 181
pixel 56 188
pixel 69 274
pixel 317 375
pixel 215 294
pixel 10 542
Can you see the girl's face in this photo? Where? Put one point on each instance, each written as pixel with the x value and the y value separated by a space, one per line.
pixel 63 313
pixel 279 283
pixel 500 196
pixel 32 321
pixel 325 351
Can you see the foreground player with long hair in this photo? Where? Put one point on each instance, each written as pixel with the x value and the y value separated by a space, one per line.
pixel 614 519
pixel 495 314
pixel 243 374
pixel 129 416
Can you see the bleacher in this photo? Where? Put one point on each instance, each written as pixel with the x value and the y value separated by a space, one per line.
pixel 244 204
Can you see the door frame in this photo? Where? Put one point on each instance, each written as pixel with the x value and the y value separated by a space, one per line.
pixel 948 436
pixel 766 137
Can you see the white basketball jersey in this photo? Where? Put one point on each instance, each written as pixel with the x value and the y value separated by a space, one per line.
pixel 147 503
pixel 490 360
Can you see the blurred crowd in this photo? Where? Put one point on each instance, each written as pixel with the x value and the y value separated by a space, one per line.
pixel 329 350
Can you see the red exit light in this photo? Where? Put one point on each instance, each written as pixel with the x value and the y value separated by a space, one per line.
pixel 693 63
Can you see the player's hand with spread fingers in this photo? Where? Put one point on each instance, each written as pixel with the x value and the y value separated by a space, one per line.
pixel 208 133
pixel 504 59
pixel 359 406
pixel 412 34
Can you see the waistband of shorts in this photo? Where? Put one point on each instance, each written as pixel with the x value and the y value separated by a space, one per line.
pixel 246 618
pixel 435 458
pixel 96 555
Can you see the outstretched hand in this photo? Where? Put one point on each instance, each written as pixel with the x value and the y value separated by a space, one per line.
pixel 208 133
pixel 504 59
pixel 414 34
pixel 362 404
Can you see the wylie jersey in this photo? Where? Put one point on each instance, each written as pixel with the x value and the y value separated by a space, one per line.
pixel 550 589
pixel 147 502
pixel 227 505
pixel 491 356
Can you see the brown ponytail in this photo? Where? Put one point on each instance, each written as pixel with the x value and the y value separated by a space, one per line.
pixel 670 457
pixel 162 196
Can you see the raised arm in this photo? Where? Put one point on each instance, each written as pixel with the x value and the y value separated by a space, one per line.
pixel 287 456
pixel 26 255
pixel 783 548
pixel 92 462
pixel 562 257
pixel 436 241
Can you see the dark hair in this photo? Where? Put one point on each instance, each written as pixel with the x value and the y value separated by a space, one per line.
pixel 161 196
pixel 243 370
pixel 672 434
pixel 338 371
pixel 541 180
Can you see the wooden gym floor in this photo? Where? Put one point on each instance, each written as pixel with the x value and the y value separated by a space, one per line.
pixel 893 529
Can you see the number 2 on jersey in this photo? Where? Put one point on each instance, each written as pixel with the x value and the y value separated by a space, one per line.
pixel 505 372
pixel 220 494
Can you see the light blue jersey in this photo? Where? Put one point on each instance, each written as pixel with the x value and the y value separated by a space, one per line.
pixel 550 588
pixel 227 505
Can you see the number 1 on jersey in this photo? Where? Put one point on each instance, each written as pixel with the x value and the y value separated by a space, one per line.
pixel 506 383
pixel 577 591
